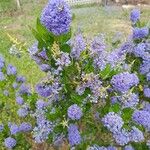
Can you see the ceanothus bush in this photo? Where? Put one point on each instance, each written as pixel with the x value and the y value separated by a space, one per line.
pixel 90 98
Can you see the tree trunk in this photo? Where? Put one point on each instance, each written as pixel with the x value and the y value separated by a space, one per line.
pixel 18 4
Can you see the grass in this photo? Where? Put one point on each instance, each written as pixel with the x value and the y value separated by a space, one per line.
pixel 91 20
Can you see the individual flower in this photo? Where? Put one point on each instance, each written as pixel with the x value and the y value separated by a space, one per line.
pixel 14 129
pixel 74 112
pixel 74 136
pixel 25 127
pixel 10 142
pixel 56 17
pixel 113 122
pixel 124 81
pixel 11 70
pixel 135 15
pixel 147 92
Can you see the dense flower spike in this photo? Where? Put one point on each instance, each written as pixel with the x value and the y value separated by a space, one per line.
pixel 56 17
pixel 124 81
pixel 74 136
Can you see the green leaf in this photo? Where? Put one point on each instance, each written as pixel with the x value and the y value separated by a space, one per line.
pixel 62 39
pixel 88 68
pixel 47 36
pixel 105 72
pixel 115 108
pixel 41 42
pixel 65 48
pixel 140 146
pixel 108 72
pixel 127 114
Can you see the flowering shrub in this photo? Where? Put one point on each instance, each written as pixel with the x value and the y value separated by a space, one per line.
pixel 91 98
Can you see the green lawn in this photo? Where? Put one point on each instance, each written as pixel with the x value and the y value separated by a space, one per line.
pixel 91 20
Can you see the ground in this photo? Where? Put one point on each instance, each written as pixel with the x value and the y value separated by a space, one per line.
pixel 92 20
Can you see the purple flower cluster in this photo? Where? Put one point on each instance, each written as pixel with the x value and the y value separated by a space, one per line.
pixel 139 33
pixel 10 142
pixel 78 45
pixel 43 127
pixel 113 122
pixel 19 100
pixel 11 70
pixel 123 137
pixel 63 61
pixel 14 129
pixel 145 68
pixel 142 117
pixel 25 127
pixel 74 136
pixel 93 82
pixel 23 111
pixel 50 90
pixel 74 112
pixel 98 52
pixel 135 15
pixel 40 104
pixel 56 17
pixel 124 81
pixel 147 92
pixel 128 100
